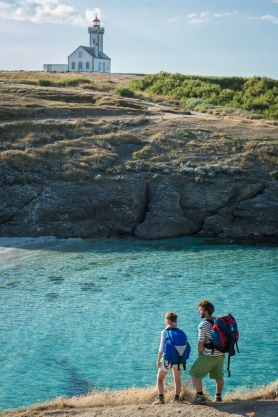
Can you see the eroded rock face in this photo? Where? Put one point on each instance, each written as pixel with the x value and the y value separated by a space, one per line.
pixel 255 218
pixel 150 207
pixel 64 209
pixel 179 206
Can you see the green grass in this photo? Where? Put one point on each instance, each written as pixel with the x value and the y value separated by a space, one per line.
pixel 254 94
pixel 63 82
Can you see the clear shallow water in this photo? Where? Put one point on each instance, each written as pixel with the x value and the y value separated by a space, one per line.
pixel 81 314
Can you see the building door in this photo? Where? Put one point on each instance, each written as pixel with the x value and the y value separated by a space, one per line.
pixel 80 67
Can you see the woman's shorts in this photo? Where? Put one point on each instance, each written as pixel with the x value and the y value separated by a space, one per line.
pixel 164 366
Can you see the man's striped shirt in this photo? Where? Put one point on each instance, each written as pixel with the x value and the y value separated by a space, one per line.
pixel 204 335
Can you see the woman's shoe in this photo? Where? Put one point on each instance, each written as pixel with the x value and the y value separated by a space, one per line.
pixel 218 398
pixel 176 399
pixel 159 400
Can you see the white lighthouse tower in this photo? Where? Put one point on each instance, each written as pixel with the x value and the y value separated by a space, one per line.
pixel 96 36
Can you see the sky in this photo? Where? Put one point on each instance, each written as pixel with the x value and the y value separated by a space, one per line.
pixel 205 37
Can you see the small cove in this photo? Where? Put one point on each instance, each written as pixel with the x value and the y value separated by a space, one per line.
pixel 82 314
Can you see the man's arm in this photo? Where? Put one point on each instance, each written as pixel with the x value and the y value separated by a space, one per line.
pixel 201 339
pixel 201 347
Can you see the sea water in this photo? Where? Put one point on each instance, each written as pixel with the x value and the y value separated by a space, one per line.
pixel 84 314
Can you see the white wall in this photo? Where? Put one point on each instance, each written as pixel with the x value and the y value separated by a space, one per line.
pixel 95 64
pixel 55 67
pixel 102 65
pixel 80 58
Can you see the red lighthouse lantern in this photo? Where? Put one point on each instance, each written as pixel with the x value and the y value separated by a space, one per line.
pixel 96 22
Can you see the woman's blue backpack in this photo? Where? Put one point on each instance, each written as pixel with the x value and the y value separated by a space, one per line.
pixel 176 349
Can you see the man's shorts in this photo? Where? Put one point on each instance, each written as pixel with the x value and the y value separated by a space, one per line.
pixel 207 364
pixel 164 366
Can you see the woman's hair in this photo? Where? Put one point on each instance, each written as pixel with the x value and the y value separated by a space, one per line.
pixel 172 317
pixel 207 305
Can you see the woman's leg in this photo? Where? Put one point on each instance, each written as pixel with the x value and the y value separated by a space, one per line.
pixel 160 381
pixel 177 379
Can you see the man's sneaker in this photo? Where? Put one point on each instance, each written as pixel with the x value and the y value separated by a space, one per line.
pixel 159 400
pixel 200 399
pixel 218 398
pixel 176 399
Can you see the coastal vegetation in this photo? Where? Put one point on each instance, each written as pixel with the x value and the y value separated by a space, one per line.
pixel 254 94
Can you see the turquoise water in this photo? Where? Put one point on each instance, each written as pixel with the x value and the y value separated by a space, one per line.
pixel 82 314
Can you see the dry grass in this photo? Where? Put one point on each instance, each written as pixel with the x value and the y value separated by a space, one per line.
pixel 76 149
pixel 108 398
pixel 263 392
pixel 139 396
pixel 100 81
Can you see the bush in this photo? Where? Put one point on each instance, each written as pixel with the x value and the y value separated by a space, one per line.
pixel 124 92
pixel 45 83
pixel 256 94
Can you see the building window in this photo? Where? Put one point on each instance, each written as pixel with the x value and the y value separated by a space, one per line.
pixel 99 66
pixel 87 65
pixel 80 54
pixel 94 41
pixel 73 65
pixel 80 66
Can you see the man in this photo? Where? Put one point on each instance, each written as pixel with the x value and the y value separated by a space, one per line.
pixel 210 361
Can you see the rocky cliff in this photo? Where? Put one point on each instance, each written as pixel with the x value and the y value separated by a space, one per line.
pixel 152 175
pixel 148 206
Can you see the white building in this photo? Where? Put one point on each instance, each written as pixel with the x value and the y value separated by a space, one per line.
pixel 86 58
pixel 56 67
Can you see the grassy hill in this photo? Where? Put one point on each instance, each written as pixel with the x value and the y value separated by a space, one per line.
pixel 60 126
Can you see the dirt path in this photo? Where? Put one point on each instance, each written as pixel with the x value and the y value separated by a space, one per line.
pixel 233 409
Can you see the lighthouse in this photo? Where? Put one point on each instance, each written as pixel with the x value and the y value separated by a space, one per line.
pixel 91 58
pixel 86 58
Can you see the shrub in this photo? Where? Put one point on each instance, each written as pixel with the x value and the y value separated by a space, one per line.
pixel 124 92
pixel 256 94
pixel 45 83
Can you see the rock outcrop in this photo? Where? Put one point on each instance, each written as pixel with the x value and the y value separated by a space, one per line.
pixel 145 205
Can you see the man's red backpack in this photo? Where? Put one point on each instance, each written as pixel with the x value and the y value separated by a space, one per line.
pixel 224 336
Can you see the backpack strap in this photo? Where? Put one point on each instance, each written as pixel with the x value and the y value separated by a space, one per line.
pixel 210 345
pixel 228 367
pixel 168 365
pixel 169 334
